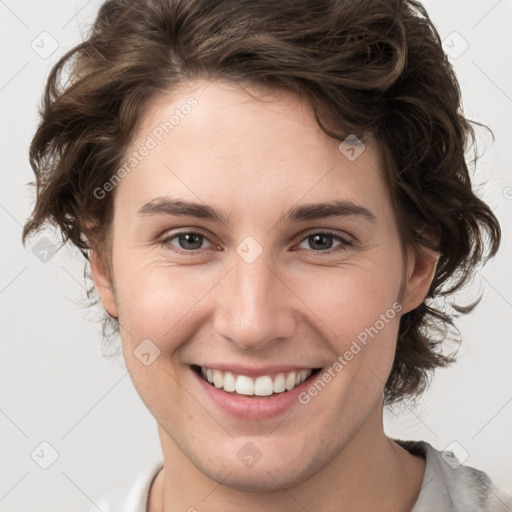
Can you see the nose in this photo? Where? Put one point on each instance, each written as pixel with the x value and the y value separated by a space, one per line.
pixel 253 306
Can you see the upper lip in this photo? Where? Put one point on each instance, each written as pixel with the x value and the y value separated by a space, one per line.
pixel 251 371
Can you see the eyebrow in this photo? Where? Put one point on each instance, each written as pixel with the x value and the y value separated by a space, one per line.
pixel 339 208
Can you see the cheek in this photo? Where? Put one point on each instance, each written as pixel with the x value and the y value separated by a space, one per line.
pixel 158 302
pixel 359 312
pixel 348 300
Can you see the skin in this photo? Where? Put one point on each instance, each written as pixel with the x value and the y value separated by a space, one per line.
pixel 254 158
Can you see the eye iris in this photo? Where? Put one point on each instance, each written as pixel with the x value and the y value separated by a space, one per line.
pixel 190 241
pixel 321 241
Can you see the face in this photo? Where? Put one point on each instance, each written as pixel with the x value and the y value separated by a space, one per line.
pixel 224 264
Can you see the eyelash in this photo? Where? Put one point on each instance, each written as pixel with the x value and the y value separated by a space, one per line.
pixel 344 242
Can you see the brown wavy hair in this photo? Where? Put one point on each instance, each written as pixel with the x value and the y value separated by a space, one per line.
pixel 368 67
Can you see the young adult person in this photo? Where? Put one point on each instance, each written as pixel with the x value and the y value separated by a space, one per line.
pixel 273 197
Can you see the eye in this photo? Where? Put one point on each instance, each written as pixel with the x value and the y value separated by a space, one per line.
pixel 324 242
pixel 187 241
pixel 194 242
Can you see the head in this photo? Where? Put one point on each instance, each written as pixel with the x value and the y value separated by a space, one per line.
pixel 270 117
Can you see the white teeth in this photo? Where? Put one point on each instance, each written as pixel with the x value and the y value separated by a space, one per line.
pixel 290 381
pixel 279 383
pixel 261 386
pixel 229 382
pixel 218 379
pixel 244 385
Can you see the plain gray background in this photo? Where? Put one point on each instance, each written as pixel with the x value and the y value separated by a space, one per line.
pixel 57 388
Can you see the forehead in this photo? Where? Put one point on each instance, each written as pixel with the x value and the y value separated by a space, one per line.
pixel 212 141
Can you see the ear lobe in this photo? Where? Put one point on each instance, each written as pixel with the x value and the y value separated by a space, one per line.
pixel 102 282
pixel 421 267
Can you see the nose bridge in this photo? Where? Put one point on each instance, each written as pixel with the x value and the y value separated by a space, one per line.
pixel 252 308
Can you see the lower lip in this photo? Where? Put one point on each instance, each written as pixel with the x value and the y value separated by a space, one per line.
pixel 253 408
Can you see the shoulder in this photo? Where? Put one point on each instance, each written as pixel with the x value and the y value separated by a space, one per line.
pixel 130 495
pixel 449 485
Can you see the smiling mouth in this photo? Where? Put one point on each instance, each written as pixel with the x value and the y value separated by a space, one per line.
pixel 262 386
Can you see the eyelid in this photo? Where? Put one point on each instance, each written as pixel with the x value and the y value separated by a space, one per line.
pixel 345 242
pixel 165 240
pixel 341 235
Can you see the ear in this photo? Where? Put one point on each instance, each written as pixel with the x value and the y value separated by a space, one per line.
pixel 421 267
pixel 102 282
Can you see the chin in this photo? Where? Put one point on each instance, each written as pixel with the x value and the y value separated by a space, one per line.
pixel 275 472
pixel 264 479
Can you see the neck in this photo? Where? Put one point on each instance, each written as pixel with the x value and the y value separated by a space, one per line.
pixel 371 472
